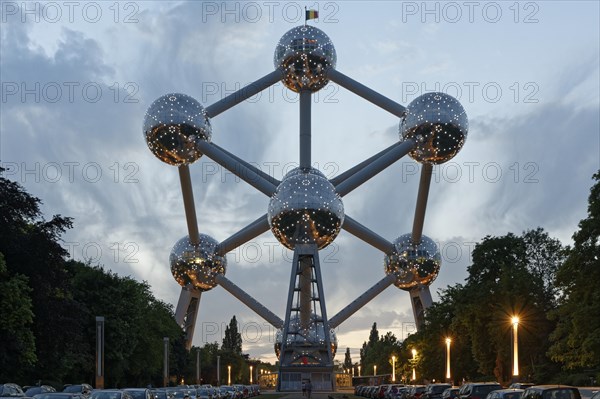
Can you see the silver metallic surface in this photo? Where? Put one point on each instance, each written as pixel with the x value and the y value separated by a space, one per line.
pixel 439 125
pixel 305 209
pixel 311 338
pixel 197 264
pixel 172 125
pixel 413 265
pixel 304 53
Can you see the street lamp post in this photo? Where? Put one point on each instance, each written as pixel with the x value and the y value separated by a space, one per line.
pixel 515 323
pixel 250 375
pixel 359 370
pixel 393 368
pixel 374 369
pixel 414 373
pixel 448 342
pixel 228 375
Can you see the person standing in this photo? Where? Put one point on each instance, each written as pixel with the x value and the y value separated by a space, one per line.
pixel 303 388
pixel 308 388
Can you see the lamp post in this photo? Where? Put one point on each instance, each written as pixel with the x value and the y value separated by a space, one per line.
pixel 414 374
pixel 374 369
pixel 250 375
pixel 515 323
pixel 448 342
pixel 228 375
pixel 359 370
pixel 393 368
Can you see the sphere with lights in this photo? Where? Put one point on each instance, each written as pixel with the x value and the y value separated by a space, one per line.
pixel 305 209
pixel 413 264
pixel 304 54
pixel 439 125
pixel 172 125
pixel 315 336
pixel 197 265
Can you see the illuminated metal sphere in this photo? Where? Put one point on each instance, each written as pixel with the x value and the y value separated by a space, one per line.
pixel 439 125
pixel 315 336
pixel 197 264
pixel 412 264
pixel 172 126
pixel 305 209
pixel 305 53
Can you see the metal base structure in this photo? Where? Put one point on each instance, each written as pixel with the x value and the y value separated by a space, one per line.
pixel 306 351
pixel 420 298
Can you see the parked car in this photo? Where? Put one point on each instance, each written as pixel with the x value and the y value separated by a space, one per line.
pixel 60 395
pixel 392 391
pixel 31 391
pixel 140 393
pixel 110 394
pixel 84 389
pixel 434 391
pixel 510 393
pixel 11 390
pixel 450 393
pixel 477 390
pixel 415 392
pixel 521 385
pixel 551 392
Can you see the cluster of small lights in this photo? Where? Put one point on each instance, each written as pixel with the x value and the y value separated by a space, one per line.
pixel 297 338
pixel 413 265
pixel 439 125
pixel 305 53
pixel 305 209
pixel 172 126
pixel 197 264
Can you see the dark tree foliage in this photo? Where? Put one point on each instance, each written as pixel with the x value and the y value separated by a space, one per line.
pixel 48 317
pixel 347 360
pixel 232 340
pixel 576 340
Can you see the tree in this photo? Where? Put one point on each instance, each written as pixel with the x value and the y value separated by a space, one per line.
pixel 576 340
pixel 232 341
pixel 17 343
pixel 348 360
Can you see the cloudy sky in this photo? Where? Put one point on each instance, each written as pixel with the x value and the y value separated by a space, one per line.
pixel 77 78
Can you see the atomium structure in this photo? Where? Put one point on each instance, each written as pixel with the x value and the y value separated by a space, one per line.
pixel 305 211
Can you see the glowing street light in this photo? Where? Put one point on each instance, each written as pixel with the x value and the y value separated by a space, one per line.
pixel 228 375
pixel 359 370
pixel 250 375
pixel 374 369
pixel 414 374
pixel 515 323
pixel 393 368
pixel 448 342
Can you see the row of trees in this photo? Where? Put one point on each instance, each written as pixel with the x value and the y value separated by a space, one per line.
pixel 48 307
pixel 551 288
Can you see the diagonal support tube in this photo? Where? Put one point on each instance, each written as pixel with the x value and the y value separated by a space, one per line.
pixel 350 172
pixel 249 232
pixel 423 194
pixel 370 237
pixel 244 93
pixel 188 203
pixel 361 301
pixel 375 167
pixel 252 168
pixel 247 300
pixel 244 171
pixel 366 93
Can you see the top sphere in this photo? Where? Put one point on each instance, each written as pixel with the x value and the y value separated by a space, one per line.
pixel 439 125
pixel 172 125
pixel 305 53
pixel 305 209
